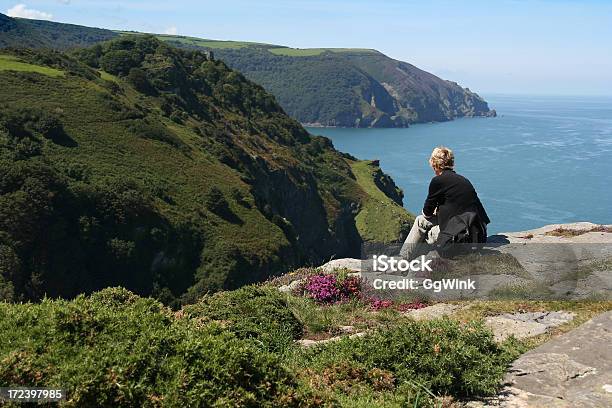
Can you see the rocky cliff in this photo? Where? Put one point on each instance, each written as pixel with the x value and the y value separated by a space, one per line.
pixel 352 88
pixel 167 172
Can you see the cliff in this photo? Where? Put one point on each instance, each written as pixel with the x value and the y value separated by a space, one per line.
pixel 133 163
pixel 320 86
pixel 349 87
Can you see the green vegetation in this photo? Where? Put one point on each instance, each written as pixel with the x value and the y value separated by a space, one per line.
pixel 440 355
pixel 11 63
pixel 117 349
pixel 260 313
pixel 108 77
pixel 162 171
pixel 478 264
pixel 309 52
pixel 380 218
pixel 199 42
pixel 349 87
pixel 28 33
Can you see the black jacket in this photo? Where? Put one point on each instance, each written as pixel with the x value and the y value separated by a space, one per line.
pixel 453 195
pixel 465 228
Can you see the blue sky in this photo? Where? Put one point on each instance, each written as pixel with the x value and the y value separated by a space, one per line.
pixel 502 46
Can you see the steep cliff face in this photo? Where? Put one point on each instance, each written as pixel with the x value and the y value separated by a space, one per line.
pixel 163 171
pixel 418 95
pixel 352 88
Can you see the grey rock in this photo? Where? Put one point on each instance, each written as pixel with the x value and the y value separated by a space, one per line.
pixel 291 286
pixel 523 325
pixel 351 264
pixel 503 328
pixel 559 267
pixel 346 329
pixel 432 312
pixel 539 235
pixel 573 370
pixel 310 343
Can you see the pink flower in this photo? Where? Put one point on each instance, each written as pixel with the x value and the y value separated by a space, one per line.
pixel 328 289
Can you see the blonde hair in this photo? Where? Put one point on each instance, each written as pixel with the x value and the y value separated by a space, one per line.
pixel 442 158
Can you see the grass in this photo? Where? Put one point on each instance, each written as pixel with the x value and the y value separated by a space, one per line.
pixel 11 63
pixel 570 232
pixel 380 219
pixel 527 291
pixel 108 77
pixel 321 322
pixel 220 350
pixel 200 42
pixel 583 311
pixel 479 264
pixel 310 52
pixel 586 270
pixel 234 45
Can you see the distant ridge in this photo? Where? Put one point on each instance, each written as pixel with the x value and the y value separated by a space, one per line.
pixel 346 87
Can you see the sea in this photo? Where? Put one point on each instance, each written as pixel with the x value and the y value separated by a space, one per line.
pixel 542 160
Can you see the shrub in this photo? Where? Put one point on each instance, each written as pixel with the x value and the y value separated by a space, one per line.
pixel 330 288
pixel 154 131
pixel 255 312
pixel 119 62
pixel 138 78
pixel 323 288
pixel 379 304
pixel 24 123
pixel 216 202
pixel 115 349
pixel 442 355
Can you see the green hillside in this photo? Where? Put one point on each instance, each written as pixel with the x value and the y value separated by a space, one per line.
pixel 346 87
pixel 22 32
pixel 11 63
pixel 349 87
pixel 138 164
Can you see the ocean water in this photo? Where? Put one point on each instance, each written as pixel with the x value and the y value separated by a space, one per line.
pixel 543 160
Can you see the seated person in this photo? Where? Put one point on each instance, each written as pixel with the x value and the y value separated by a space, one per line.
pixel 450 195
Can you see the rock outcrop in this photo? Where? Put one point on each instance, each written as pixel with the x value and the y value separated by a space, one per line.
pixel 524 325
pixel 573 370
pixel 570 261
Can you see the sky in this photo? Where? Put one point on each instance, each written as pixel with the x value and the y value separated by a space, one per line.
pixel 552 47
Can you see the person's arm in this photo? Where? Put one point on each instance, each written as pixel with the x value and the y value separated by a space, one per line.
pixel 433 198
